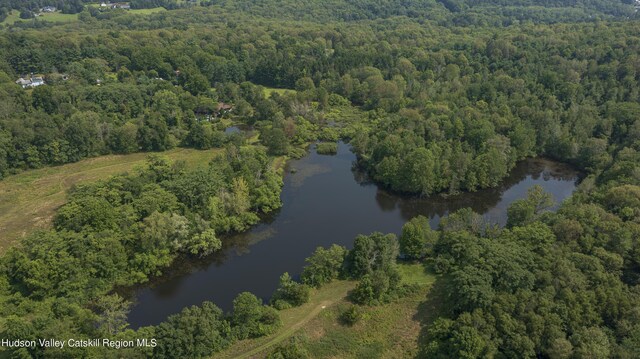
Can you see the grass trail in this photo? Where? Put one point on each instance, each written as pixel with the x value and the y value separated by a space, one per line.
pixel 293 319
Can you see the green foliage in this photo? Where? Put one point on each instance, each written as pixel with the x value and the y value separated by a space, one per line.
pixel 373 261
pixel 276 141
pixel 327 148
pixel 196 332
pixel 351 315
pixel 113 313
pixel 291 349
pixel 289 293
pixel 434 96
pixel 377 287
pixel 204 137
pixel 573 259
pixel 417 238
pixel 324 265
pixel 250 319
pixel 121 231
pixel 526 210
pixel 371 253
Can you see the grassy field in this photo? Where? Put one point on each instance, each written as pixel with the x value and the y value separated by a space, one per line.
pixel 386 331
pixel 135 11
pixel 62 18
pixel 270 90
pixel 147 11
pixel 293 319
pixel 53 17
pixel 29 199
pixel 414 273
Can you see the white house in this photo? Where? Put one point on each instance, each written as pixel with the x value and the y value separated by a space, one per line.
pixel 37 81
pixel 23 82
pixel 31 82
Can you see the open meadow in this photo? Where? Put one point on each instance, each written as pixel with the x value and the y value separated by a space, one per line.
pixel 29 199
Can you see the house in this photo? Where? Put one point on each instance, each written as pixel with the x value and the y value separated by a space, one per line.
pixel 30 82
pixel 121 5
pixel 37 81
pixel 23 82
pixel 223 108
pixel 115 5
pixel 48 9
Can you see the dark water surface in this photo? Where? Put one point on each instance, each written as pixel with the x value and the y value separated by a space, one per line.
pixel 239 128
pixel 325 202
pixel 232 129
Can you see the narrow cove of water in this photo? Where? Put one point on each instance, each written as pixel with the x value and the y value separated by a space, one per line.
pixel 325 201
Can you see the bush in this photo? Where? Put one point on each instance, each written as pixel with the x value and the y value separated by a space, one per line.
pixel 197 331
pixel 290 292
pixel 378 287
pixel 327 148
pixel 337 100
pixel 250 319
pixel 417 238
pixel 351 315
pixel 292 349
pixel 324 265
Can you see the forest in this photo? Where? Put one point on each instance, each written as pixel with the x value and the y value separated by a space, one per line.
pixel 436 98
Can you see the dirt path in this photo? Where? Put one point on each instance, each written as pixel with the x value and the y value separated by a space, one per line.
pixel 284 334
pixel 293 320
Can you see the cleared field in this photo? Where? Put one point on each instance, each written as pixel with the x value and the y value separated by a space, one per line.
pixel 62 18
pixel 270 90
pixel 133 11
pixel 53 17
pixel 28 200
pixel 147 11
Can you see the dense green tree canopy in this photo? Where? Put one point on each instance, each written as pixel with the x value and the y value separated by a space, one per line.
pixel 438 96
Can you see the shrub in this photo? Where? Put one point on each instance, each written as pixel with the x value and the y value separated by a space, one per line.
pixel 351 315
pixel 291 292
pixel 292 349
pixel 251 319
pixel 327 148
pixel 324 265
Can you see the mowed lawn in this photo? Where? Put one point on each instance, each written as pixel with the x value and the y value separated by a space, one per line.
pixel 28 200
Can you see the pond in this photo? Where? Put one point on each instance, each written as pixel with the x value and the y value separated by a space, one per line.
pixel 326 200
pixel 240 128
pixel 232 129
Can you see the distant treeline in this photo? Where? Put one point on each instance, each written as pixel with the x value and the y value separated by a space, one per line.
pixel 28 7
pixel 459 12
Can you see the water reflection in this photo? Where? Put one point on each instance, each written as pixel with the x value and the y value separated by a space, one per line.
pixel 326 200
